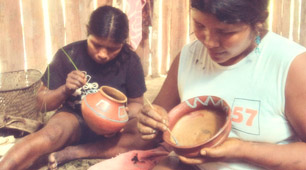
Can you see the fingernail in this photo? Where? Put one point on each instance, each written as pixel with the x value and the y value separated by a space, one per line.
pixel 154 131
pixel 203 152
pixel 164 121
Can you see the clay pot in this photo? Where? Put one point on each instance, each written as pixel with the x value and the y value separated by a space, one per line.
pixel 104 111
pixel 199 122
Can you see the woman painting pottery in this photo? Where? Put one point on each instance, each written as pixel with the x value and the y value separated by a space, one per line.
pixel 260 74
pixel 76 70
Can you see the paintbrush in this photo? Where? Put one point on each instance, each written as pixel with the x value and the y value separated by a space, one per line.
pixel 171 134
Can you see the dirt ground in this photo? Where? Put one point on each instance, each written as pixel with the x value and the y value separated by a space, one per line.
pixel 153 87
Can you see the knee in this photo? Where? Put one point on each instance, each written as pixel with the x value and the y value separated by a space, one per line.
pixel 57 129
pixel 52 134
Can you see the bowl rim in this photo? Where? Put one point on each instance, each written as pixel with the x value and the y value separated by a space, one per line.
pixel 166 134
pixel 103 89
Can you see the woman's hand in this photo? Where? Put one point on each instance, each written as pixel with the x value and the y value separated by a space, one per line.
pixel 151 121
pixel 226 151
pixel 74 80
pixel 52 99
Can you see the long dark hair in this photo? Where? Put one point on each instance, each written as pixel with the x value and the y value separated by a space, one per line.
pixel 234 11
pixel 111 23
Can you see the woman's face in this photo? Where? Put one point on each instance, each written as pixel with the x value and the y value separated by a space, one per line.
pixel 227 44
pixel 102 50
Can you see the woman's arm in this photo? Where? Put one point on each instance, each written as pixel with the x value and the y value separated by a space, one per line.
pixel 134 105
pixel 290 156
pixel 52 99
pixel 152 120
pixel 296 96
pixel 168 96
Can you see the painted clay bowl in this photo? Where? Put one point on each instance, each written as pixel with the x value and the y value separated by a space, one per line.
pixel 104 111
pixel 203 121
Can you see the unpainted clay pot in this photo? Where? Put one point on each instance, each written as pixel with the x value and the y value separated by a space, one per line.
pixel 104 111
pixel 191 114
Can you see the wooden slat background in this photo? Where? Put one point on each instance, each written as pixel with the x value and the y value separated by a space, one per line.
pixel 11 48
pixel 28 47
pixel 57 28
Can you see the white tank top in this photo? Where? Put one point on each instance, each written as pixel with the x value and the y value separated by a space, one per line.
pixel 254 88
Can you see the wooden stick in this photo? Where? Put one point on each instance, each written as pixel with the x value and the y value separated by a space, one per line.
pixel 149 102
pixel 171 134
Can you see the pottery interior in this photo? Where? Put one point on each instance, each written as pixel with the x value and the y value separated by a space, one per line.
pixel 104 111
pixel 199 122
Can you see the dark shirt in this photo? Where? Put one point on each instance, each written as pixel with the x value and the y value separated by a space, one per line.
pixel 124 73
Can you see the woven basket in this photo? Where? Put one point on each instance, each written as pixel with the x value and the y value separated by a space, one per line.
pixel 18 103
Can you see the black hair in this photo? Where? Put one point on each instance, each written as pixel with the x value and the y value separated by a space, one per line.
pixel 109 22
pixel 234 11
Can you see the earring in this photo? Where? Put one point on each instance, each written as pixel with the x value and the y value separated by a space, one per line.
pixel 257 41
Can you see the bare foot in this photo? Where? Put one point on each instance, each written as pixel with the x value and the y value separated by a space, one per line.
pixel 67 154
pixel 52 162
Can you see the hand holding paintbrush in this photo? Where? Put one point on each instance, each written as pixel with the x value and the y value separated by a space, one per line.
pixel 171 134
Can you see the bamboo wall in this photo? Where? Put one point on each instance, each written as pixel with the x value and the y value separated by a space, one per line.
pixel 29 47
